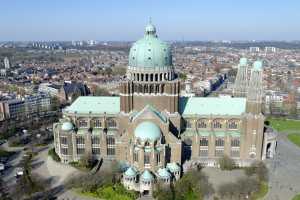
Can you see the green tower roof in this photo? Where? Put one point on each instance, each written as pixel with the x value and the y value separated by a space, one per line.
pixel 257 65
pixel 150 53
pixel 243 61
pixel 67 126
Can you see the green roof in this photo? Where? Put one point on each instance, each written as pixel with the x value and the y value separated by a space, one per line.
pixel 147 176
pixel 173 167
pixel 257 65
pixel 95 105
pixel 150 53
pixel 147 130
pixel 164 173
pixel 212 105
pixel 130 172
pixel 243 61
pixel 67 126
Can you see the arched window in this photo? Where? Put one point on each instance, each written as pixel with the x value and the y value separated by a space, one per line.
pixel 151 89
pixel 201 123
pixel 235 142
pixel 147 158
pixel 151 77
pixel 232 124
pixel 160 77
pixel 136 156
pixel 219 142
pixel 162 88
pixel 156 77
pixel 147 76
pixel 203 142
pixel 138 77
pixel 217 124
pixel 145 88
pixel 188 123
pixel 147 144
pixel 111 123
pixel 142 77
pixel 110 141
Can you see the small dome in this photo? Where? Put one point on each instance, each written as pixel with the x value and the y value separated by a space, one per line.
pixel 150 53
pixel 130 172
pixel 147 176
pixel 173 167
pixel 163 173
pixel 147 131
pixel 257 65
pixel 243 61
pixel 67 126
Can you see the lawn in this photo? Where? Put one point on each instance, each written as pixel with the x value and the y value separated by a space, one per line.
pixel 294 138
pixel 262 191
pixel 285 125
pixel 297 197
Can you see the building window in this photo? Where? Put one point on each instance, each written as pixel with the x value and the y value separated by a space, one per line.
pixel 136 156
pixel 235 142
pixel 110 141
pixel 203 152
pixel 219 152
pixel 147 158
pixel 220 142
pixel 80 140
pixel 98 123
pixel 111 123
pixel 201 124
pixel 232 124
pixel 64 151
pixel 63 140
pixel 235 152
pixel 83 124
pixel 80 151
pixel 217 124
pixel 158 157
pixel 96 151
pixel 95 140
pixel 188 123
pixel 204 142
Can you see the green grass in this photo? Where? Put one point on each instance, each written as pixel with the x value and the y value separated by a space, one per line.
pixel 262 191
pixel 294 138
pixel 297 197
pixel 109 192
pixel 285 125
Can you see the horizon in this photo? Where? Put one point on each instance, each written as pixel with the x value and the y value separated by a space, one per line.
pixel 125 21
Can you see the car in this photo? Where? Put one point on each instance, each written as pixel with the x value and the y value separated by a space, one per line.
pixel 2 167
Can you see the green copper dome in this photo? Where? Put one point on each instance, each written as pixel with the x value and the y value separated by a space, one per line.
pixel 147 131
pixel 147 176
pixel 150 53
pixel 67 126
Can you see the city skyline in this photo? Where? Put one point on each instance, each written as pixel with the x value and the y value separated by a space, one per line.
pixel 175 20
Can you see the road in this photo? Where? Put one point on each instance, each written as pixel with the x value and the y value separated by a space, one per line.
pixel 284 171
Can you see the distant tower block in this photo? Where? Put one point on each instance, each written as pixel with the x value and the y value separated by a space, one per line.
pixel 255 90
pixel 241 81
pixel 6 63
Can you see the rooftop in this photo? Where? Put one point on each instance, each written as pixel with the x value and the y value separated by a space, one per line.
pixel 212 106
pixel 95 105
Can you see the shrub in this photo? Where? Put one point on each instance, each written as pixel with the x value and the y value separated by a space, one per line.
pixel 53 155
pixel 258 169
pixel 226 163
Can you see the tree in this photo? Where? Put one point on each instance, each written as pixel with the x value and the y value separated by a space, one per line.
pixel 258 169
pixel 226 163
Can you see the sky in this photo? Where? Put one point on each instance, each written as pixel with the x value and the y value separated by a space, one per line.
pixel 119 20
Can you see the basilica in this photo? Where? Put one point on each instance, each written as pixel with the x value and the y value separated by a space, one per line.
pixel 153 130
